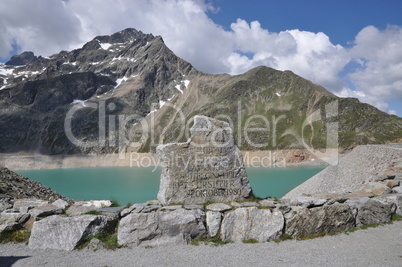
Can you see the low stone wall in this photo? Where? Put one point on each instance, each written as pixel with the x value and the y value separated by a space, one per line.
pixel 59 226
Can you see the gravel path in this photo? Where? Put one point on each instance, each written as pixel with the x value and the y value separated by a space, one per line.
pixel 381 246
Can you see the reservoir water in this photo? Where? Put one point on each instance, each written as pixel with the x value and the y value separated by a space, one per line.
pixel 139 184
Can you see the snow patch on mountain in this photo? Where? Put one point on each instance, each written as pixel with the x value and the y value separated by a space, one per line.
pixel 105 46
pixel 119 81
pixel 78 101
pixel 185 83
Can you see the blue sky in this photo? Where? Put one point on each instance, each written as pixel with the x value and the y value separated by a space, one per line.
pixel 352 48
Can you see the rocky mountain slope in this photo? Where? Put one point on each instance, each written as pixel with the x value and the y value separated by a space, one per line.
pixel 13 185
pixel 129 90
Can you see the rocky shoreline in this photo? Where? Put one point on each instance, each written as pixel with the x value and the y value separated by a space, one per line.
pixel 277 158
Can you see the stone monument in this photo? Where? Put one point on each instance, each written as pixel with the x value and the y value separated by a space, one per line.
pixel 207 168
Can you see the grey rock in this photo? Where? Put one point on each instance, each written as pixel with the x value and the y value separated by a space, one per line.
pixel 207 168
pixel 9 221
pixel 268 203
pixel 250 204
pixel 82 207
pixel 45 210
pixel 194 207
pixel 161 228
pixel 356 203
pixel 95 244
pixel 28 203
pixel 325 219
pixel 111 211
pixel 65 233
pixel 309 202
pixel 394 199
pixel 235 204
pixel 397 189
pixel 218 207
pixel 150 208
pixel 60 203
pixel 374 211
pixel 213 219
pixel 135 208
pixel 153 202
pixel 6 203
pixel 173 207
pixel 251 223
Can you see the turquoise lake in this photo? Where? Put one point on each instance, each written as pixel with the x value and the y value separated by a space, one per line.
pixel 139 184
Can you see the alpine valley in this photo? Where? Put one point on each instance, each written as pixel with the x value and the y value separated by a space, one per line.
pixel 124 82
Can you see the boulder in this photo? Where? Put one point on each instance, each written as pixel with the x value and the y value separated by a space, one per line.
pixel 252 223
pixel 250 204
pixel 309 202
pixel 65 233
pixel 82 207
pixel 376 188
pixel 356 203
pixel 394 199
pixel 221 207
pixel 60 203
pixel 176 227
pixel 213 219
pixel 397 190
pixel 135 208
pixel 194 207
pixel 326 219
pixel 371 211
pixel 6 203
pixel 268 203
pixel 45 210
pixel 26 204
pixel 9 221
pixel 207 168
pixel 111 211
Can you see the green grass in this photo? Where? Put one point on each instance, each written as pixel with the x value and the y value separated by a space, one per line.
pixel 396 217
pixel 283 238
pixel 93 212
pixel 110 240
pixel 16 236
pixel 115 203
pixel 250 241
pixel 215 241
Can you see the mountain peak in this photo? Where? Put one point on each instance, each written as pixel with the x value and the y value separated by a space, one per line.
pixel 21 59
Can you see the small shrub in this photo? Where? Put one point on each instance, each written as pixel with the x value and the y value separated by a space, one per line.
pixel 250 241
pixel 148 247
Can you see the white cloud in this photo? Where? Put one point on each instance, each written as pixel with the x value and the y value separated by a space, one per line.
pixel 380 57
pixel 49 26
